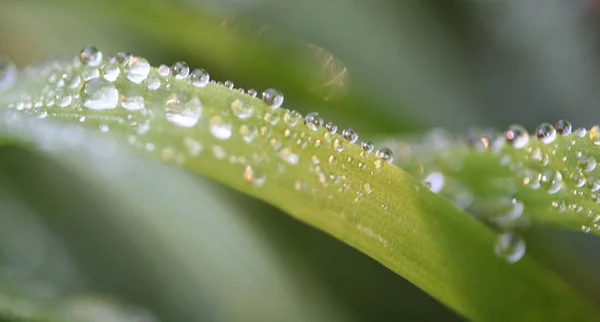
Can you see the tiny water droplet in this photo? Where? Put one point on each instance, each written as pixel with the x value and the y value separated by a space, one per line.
pixel 241 108
pixel 199 77
pixel 313 121
pixel 180 70
pixel 509 247
pixel 153 82
pixel 90 72
pixel 111 72
pixel 91 56
pixel 291 118
pixel 587 163
pixel 253 177
pixel 563 127
pixel 578 178
pixel 551 180
pixel 219 128
pixel 252 92
pixel 248 132
pixel 581 132
pixel 545 133
pixel 8 73
pixel 367 146
pixel 517 136
pixel 62 98
pixel 229 84
pixel 385 154
pixel 331 128
pixel 183 110
pixel 132 101
pixel 272 97
pixel 193 147
pixel 338 145
pixel 99 94
pixel 137 69
pixel 350 135
pixel 595 134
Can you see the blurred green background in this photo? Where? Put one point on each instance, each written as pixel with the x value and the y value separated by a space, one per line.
pixel 386 68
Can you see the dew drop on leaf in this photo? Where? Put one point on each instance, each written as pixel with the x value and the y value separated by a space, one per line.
pixel 563 127
pixel 385 154
pixel 350 135
pixel 99 94
pixel 368 146
pixel 164 70
pixel 137 69
pixel 272 97
pixel 219 128
pixel 241 108
pixel 90 56
pixel 545 133
pixel 132 101
pixel 517 136
pixel 62 98
pixel 551 180
pixel 252 92
pixel 509 247
pixel 153 82
pixel 183 109
pixel 111 72
pixel 313 120
pixel 123 57
pixel 595 134
pixel 199 77
pixel 434 181
pixel 253 177
pixel 291 117
pixel 180 70
pixel 330 127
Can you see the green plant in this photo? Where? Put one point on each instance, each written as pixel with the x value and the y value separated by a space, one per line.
pixel 113 232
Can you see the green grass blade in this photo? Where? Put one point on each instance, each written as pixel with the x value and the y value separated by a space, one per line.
pixel 316 176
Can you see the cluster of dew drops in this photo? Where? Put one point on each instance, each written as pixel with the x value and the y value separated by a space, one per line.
pixel 95 89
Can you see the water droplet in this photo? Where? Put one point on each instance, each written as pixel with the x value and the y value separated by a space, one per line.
pixel 331 128
pixel 595 134
pixel 291 118
pixel 111 72
pixel 229 84
pixel 104 128
pixel 563 127
pixel 252 92
pixel 183 110
pixel 219 128
pixel 272 97
pixel 164 70
pixel 313 121
pixel 509 247
pixel 153 82
pixel 90 72
pixel 251 176
pixel 99 94
pixel 137 70
pixel 545 133
pixel 248 133
pixel 91 56
pixel 241 108
pixel 581 132
pixel 517 136
pixel 288 155
pixel 338 145
pixel 578 178
pixel 585 229
pixel 587 163
pixel 199 77
pixel 123 57
pixel 367 146
pixel 8 73
pixel 385 154
pixel 62 98
pixel 434 181
pixel 180 70
pixel 132 101
pixel 551 180
pixel 350 135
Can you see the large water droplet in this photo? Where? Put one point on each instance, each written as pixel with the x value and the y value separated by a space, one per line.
pixel 517 136
pixel 180 70
pixel 8 73
pixel 313 120
pixel 545 133
pixel 219 128
pixel 510 247
pixel 91 56
pixel 272 97
pixel 385 154
pixel 241 108
pixel 350 135
pixel 132 101
pixel 137 70
pixel 99 94
pixel 563 127
pixel 183 110
pixel 199 77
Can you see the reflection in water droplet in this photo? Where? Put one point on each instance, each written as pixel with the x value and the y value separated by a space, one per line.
pixel 199 77
pixel 123 57
pixel 385 154
pixel 291 118
pixel 367 146
pixel 551 180
pixel 153 82
pixel 272 97
pixel 132 101
pixel 509 247
pixel 313 121
pixel 99 94
pixel 350 135
pixel 137 70
pixel 563 127
pixel 219 128
pixel 241 108
pixel 545 133
pixel 183 110
pixel 111 72
pixel 331 128
pixel 517 136
pixel 62 98
pixel 164 70
pixel 91 56
pixel 180 70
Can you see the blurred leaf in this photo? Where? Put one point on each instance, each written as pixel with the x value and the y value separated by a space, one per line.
pixel 266 152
